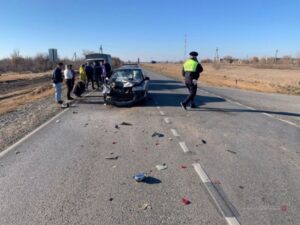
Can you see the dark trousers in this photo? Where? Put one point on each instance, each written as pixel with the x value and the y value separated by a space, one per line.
pixel 90 79
pixel 70 85
pixel 193 92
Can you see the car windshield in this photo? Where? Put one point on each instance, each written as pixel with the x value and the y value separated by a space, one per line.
pixel 135 75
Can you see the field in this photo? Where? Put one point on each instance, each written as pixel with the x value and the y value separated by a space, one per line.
pixel 285 81
pixel 20 89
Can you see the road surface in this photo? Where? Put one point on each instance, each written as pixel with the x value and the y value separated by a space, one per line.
pixel 236 159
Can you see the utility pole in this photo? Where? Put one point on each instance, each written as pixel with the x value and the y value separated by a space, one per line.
pixel 217 59
pixel 74 56
pixel 185 46
pixel 276 55
pixel 101 49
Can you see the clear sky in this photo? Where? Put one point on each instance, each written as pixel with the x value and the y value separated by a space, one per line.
pixel 151 29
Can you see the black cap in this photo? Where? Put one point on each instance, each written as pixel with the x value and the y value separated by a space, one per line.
pixel 194 54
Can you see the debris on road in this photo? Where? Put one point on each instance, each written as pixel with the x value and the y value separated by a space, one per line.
pixel 57 121
pixel 85 125
pixel 203 141
pixel 74 112
pixel 17 153
pixel 110 199
pixel 241 187
pixel 64 106
pixel 114 142
pixel 139 177
pixel 233 152
pixel 145 206
pixel 185 201
pixel 156 143
pixel 183 167
pixel 112 157
pixel 126 124
pixel 156 134
pixel 171 139
pixel 161 167
pixel 117 127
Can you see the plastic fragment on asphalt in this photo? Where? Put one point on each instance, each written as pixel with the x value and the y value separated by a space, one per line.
pixel 183 167
pixel 74 112
pixel 146 206
pixel 110 199
pixel 114 142
pixel 17 153
pixel 156 134
pixel 57 121
pixel 139 177
pixel 185 201
pixel 161 167
pixel 126 124
pixel 203 141
pixel 116 126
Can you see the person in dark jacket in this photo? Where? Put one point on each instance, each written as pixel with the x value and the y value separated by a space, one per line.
pixel 97 73
pixel 57 79
pixel 107 68
pixel 89 74
pixel 191 72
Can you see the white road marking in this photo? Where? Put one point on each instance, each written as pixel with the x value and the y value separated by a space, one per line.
pixel 184 147
pixel 207 183
pixel 175 133
pixel 232 221
pixel 251 108
pixel 204 178
pixel 31 133
pixel 3 153
pixel 167 120
pixel 162 113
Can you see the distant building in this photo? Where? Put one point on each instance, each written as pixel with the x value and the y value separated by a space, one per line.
pixel 53 55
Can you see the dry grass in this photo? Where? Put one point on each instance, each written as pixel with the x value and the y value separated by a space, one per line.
pixel 243 77
pixel 10 104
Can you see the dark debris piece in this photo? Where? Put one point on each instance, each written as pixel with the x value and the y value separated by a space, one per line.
pixel 233 152
pixel 126 124
pixel 203 141
pixel 17 153
pixel 156 134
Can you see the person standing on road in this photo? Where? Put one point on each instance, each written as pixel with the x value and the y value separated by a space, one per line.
pixel 97 73
pixel 89 74
pixel 107 69
pixel 82 73
pixel 57 79
pixel 69 77
pixel 191 71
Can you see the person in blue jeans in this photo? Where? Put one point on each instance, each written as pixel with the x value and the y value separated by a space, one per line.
pixel 57 79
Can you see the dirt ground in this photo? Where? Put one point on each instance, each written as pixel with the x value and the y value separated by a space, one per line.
pixel 285 81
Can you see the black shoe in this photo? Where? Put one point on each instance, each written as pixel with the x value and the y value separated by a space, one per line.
pixel 183 105
pixel 193 106
pixel 60 102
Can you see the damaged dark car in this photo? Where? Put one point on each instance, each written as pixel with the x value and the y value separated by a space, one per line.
pixel 127 86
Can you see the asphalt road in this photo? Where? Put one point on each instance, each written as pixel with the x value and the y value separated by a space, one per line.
pixel 236 159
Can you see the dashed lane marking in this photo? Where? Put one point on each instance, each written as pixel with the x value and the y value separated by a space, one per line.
pixel 175 133
pixel 183 146
pixel 167 120
pixel 162 113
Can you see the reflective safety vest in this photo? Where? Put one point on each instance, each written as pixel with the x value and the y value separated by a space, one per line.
pixel 190 66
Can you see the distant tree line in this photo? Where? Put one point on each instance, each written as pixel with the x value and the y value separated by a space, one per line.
pixel 39 63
